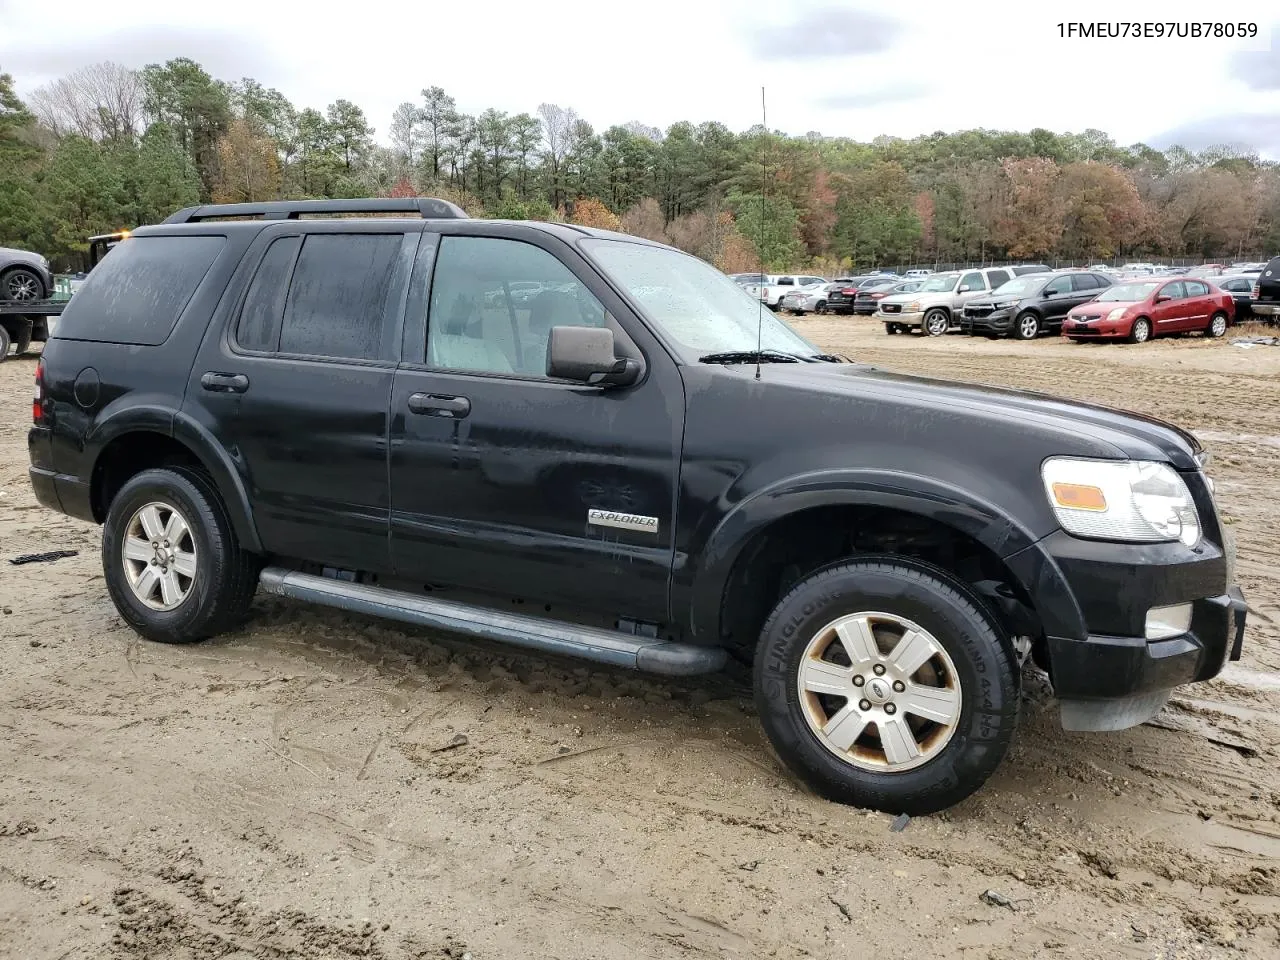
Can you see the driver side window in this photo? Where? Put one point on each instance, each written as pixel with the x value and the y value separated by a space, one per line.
pixel 494 302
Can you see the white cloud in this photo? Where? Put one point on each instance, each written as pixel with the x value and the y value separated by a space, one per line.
pixel 932 65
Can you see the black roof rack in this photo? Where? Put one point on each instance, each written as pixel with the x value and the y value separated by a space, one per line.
pixel 429 208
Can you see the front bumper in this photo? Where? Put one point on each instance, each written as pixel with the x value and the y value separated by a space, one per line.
pixel 1096 328
pixel 1000 321
pixel 1115 677
pixel 906 319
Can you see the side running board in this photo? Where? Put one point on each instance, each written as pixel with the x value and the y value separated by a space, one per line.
pixel 589 643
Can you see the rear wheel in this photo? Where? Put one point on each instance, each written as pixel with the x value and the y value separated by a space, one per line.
pixel 1217 325
pixel 936 323
pixel 821 308
pixel 882 684
pixel 172 563
pixel 1026 326
pixel 1140 332
pixel 4 344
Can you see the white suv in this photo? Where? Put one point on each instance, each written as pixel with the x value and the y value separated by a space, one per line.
pixel 777 287
pixel 937 304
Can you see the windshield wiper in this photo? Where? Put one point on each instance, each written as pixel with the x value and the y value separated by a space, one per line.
pixel 750 356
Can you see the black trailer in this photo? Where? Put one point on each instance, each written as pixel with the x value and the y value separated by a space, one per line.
pixel 24 322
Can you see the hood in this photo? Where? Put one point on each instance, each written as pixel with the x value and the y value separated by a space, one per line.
pixel 1103 306
pixel 1128 435
pixel 25 256
pixel 926 297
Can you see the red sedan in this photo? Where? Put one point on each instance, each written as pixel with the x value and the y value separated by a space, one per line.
pixel 1138 310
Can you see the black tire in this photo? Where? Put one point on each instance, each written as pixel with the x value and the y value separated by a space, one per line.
pixel 1140 332
pixel 984 666
pixel 1218 324
pixel 22 339
pixel 21 284
pixel 225 578
pixel 820 308
pixel 1027 326
pixel 4 343
pixel 890 328
pixel 935 323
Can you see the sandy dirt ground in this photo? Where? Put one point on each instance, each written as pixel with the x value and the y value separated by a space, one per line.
pixel 322 786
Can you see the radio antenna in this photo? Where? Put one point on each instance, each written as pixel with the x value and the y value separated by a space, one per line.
pixel 764 189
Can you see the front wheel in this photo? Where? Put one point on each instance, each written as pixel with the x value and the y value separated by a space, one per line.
pixel 882 684
pixel 1026 326
pixel 170 556
pixel 1140 332
pixel 4 344
pixel 1217 325
pixel 936 323
pixel 20 285
pixel 890 328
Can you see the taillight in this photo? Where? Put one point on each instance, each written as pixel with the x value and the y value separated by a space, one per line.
pixel 849 291
pixel 37 403
pixel 877 296
pixel 1256 291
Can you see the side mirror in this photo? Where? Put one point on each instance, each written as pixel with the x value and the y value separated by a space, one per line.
pixel 964 288
pixel 1163 298
pixel 585 354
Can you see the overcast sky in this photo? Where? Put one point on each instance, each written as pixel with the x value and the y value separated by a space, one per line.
pixel 842 67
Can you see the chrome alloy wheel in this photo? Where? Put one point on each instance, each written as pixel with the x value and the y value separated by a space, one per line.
pixel 879 692
pixel 159 556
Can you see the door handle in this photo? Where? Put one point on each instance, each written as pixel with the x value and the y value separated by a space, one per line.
pixel 225 382
pixel 435 405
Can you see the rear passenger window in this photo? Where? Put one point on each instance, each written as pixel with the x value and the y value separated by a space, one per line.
pixel 138 291
pixel 1084 281
pixel 997 277
pixel 338 298
pixel 259 327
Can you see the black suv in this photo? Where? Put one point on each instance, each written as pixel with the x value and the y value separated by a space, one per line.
pixel 1266 293
pixel 1027 306
pixel 356 412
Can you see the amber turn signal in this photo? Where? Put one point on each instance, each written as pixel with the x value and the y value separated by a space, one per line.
pixel 1079 496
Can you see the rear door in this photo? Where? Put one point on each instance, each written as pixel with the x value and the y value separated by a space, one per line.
pixel 296 378
pixel 1200 303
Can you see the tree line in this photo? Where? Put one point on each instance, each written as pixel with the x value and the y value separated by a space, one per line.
pixel 108 146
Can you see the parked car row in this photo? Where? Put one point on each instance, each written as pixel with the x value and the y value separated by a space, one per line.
pixel 1081 304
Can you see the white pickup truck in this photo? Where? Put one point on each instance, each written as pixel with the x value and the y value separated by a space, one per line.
pixel 778 286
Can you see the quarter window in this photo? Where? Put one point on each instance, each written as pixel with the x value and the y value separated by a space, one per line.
pixel 259 326
pixel 493 304
pixel 997 277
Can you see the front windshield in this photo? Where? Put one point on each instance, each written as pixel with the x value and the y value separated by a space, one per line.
pixel 1123 292
pixel 1019 287
pixel 700 309
pixel 942 283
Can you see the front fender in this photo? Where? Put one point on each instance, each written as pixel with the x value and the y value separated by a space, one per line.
pixel 1036 572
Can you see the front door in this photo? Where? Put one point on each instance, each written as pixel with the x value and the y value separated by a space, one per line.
pixel 295 380
pixel 511 483
pixel 1168 307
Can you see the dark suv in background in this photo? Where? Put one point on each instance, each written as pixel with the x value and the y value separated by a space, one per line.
pixel 635 465
pixel 1266 293
pixel 1027 306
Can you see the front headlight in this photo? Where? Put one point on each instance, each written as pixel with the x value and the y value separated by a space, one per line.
pixel 912 307
pixel 1137 501
pixel 1117 313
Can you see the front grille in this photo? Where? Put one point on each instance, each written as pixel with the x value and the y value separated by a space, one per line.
pixel 1086 317
pixel 978 312
pixel 891 307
